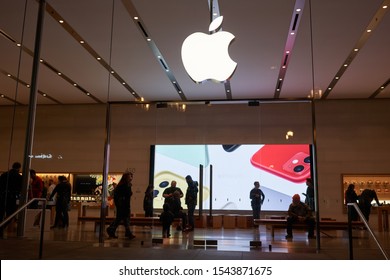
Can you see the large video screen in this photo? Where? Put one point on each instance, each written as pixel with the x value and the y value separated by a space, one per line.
pixel 281 170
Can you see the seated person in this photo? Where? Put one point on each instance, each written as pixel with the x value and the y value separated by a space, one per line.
pixel 299 212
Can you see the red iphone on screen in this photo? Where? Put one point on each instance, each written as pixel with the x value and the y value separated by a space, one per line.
pixel 291 162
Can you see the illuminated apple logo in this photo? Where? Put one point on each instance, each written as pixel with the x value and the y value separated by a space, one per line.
pixel 206 56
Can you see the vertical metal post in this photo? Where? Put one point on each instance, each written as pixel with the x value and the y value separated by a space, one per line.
pixel 314 175
pixel 200 190
pixel 31 116
pixel 103 207
pixel 43 219
pixel 350 244
pixel 211 191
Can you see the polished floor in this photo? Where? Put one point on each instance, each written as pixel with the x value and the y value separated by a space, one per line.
pixel 81 242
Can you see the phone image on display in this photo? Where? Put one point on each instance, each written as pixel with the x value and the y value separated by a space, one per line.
pixel 291 162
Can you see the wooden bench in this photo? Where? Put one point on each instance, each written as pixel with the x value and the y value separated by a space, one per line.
pixel 324 224
pixel 134 221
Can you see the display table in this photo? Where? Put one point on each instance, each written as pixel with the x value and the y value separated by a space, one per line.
pixel 83 206
pixel 33 219
pixel 383 217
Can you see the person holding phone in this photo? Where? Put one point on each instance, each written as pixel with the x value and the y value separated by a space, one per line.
pixel 257 198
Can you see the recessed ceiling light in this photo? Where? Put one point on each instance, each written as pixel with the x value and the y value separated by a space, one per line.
pixel 75 85
pixel 41 60
pixel 356 50
pixel 292 33
pixel 345 65
pixel 2 95
pixel 298 10
pixel 123 83
pixel 136 18
pixel 384 7
pixel 112 72
pixel 59 73
pixel 88 94
pixel 18 44
pixel 329 88
pixel 337 78
pixel 369 30
pixel 9 75
pixel 28 86
pixel 82 42
pixel 98 58
pixel 61 21
pixel 148 39
pixel 44 94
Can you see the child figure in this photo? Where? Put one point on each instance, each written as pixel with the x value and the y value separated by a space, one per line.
pixel 166 219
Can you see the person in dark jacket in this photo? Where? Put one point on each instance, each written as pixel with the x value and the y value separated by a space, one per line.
pixel 352 197
pixel 63 192
pixel 257 198
pixel 365 199
pixel 166 219
pixel 309 200
pixel 191 200
pixel 299 212
pixel 122 196
pixel 10 188
pixel 148 201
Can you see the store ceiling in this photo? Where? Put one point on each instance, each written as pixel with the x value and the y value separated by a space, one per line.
pixel 326 34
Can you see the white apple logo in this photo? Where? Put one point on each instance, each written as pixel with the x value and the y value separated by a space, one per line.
pixel 206 57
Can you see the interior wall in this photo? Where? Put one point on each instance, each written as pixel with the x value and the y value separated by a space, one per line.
pixel 351 135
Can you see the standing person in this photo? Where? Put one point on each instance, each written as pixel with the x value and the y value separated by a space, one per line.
pixel 191 200
pixel 351 197
pixel 62 192
pixel 36 188
pixel 257 198
pixel 10 188
pixel 122 196
pixel 148 201
pixel 166 219
pixel 310 194
pixel 50 189
pixel 299 212
pixel 365 199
